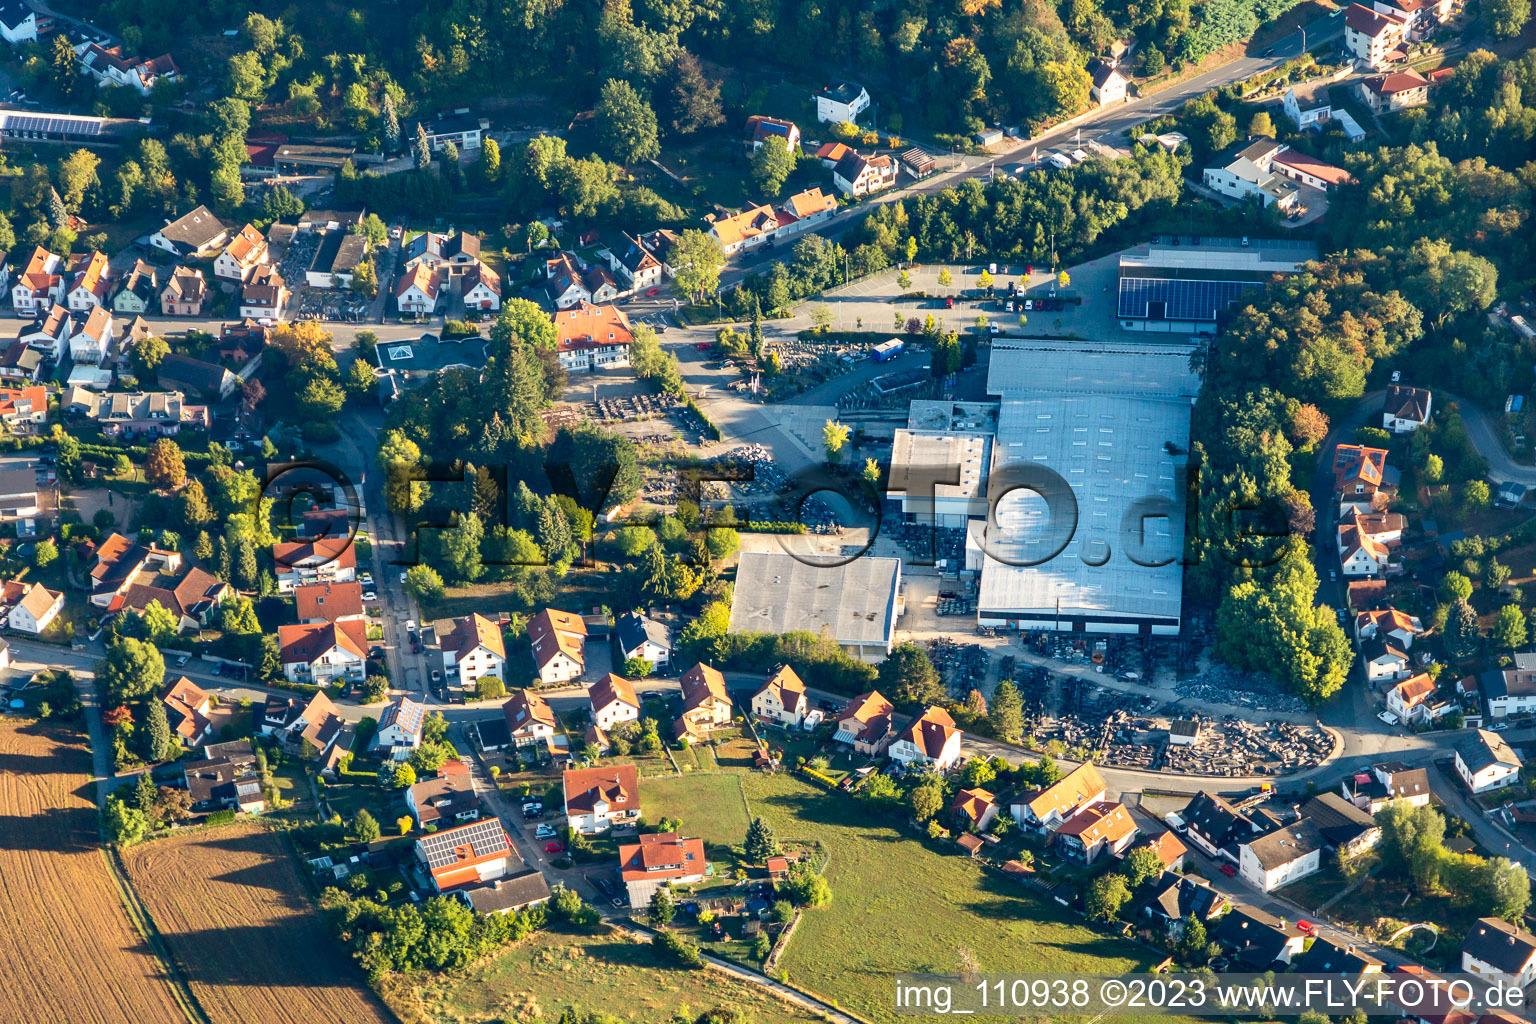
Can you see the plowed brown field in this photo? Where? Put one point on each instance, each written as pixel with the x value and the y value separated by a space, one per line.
pixel 231 907
pixel 67 949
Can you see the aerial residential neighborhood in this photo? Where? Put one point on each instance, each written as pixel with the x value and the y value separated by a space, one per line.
pixel 610 513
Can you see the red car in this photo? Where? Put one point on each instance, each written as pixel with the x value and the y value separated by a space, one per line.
pixel 554 847
pixel 704 346
pixel 653 292
pixel 1228 870
pixel 1306 927
pixel 1029 268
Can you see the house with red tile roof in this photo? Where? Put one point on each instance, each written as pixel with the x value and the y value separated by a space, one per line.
pixel 558 641
pixel 612 700
pixel 90 282
pixel 1387 94
pixel 39 284
pixel 108 65
pixel 706 704
pixel 417 290
pixel 246 251
pixel 29 607
pixel 468 855
pixel 592 337
pixel 596 799
pixel 1045 809
pixel 1398 626
pixel 1360 478
pixel 866 724
pixel 782 699
pixel 663 858
pixel 1373 38
pixel 481 288
pixel 1095 829
pixel 325 652
pixel 187 707
pixel 975 807
pixel 24 409
pixel 323 560
pixel 530 719
pixel 328 602
pixel 761 129
pixel 473 648
pixel 931 740
pixel 1366 542
pixel 121 562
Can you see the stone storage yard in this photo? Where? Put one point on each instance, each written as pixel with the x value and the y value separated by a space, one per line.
pixel 233 909
pixel 70 953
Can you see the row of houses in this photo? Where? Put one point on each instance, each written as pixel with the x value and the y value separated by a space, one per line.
pixel 435 264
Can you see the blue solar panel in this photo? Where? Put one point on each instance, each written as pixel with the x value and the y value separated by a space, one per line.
pixel 1177 299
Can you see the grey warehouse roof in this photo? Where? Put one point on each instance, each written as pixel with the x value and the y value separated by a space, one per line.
pixel 1103 418
pixel 856 602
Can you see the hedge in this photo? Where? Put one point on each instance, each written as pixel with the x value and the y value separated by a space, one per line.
pixel 710 430
pixel 812 773
pixel 196 462
pixel 220 818
pixel 756 526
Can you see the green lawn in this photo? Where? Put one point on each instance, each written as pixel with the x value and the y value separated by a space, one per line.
pixel 710 806
pixel 898 905
pixel 608 973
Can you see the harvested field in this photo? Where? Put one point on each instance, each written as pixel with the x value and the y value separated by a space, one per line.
pixel 232 908
pixel 70 952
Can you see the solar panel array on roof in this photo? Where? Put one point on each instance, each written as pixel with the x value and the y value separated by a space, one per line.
pixel 52 125
pixel 1177 299
pixel 483 838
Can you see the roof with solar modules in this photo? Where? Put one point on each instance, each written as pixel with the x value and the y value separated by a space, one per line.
pixel 1194 279
pixel 81 129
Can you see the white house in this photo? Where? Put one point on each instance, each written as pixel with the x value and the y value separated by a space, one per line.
pixel 246 251
pixel 592 337
pixel 18 22
pixel 1510 691
pixel 196 233
pixel 49 333
pixel 977 806
pixel 1372 37
pixel 1281 857
pixel 558 642
pixel 1388 623
pixel 612 700
pixel 1305 117
pixel 1102 827
pixel 1422 17
pixel 40 284
pixel 108 66
pixel 782 699
pixel 1485 762
pixel 841 101
pixel 399 730
pixel 641 636
pixel 473 648
pixel 1406 410
pixel 530 719
pixel 596 799
pixel 1384 660
pixel 89 284
pixel 264 294
pixel 931 740
pixel 1387 94
pixel 857 175
pixel 1499 951
pixel 1108 85
pixel 761 129
pixel 481 288
pixel 1409 699
pixel 321 653
pixel 1045 809
pixel 92 342
pixel 634 265
pixel 29 607
pixel 416 291
pixel 1366 540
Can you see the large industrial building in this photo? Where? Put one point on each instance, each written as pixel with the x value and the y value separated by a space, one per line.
pixel 1111 422
pixel 1180 286
pixel 856 603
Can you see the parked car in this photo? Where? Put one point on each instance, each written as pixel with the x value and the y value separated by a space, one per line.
pixel 949 303
pixel 1229 870
pixel 554 846
pixel 437 677
pixel 652 293
pixel 369 595
pixel 545 831
pixel 375 652
pixel 1306 927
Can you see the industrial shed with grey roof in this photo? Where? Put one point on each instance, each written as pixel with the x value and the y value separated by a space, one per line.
pixel 857 602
